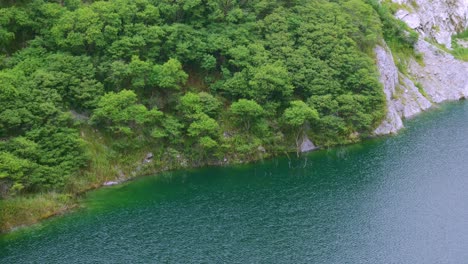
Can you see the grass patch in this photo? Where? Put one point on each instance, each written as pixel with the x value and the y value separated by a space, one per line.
pixel 398 36
pixel 104 165
pixel 107 164
pixel 27 210
pixel 421 89
pixel 100 168
pixel 394 7
pixel 459 51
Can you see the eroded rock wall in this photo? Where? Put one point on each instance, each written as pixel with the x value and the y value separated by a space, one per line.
pixel 404 99
pixel 436 19
pixel 440 77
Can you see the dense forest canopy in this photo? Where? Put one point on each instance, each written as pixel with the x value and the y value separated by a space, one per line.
pixel 204 79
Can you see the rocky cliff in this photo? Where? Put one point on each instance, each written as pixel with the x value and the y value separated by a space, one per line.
pixel 439 78
pixel 435 19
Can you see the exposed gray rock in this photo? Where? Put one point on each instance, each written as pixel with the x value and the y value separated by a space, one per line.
pixel 440 78
pixel 4 188
pixel 79 116
pixel 307 145
pixel 389 79
pixel 462 43
pixel 443 77
pixel 261 149
pixel 411 19
pixel 436 19
pixel 409 100
pixel 227 134
pixel 391 124
pixel 120 178
pixel 148 158
pixel 110 183
pixel 404 99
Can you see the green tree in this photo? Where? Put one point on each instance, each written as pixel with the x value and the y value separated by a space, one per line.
pixel 297 116
pixel 206 130
pixel 139 72
pixel 271 82
pixel 203 126
pixel 192 105
pixel 79 31
pixel 170 75
pixel 247 113
pixel 121 114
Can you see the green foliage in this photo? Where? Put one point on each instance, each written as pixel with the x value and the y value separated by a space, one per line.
pixel 26 210
pixel 203 126
pixel 399 37
pixel 192 105
pixel 191 81
pixel 365 27
pixel 298 114
pixel 121 114
pixel 43 159
pixel 271 82
pixel 247 113
pixel 460 52
pixel 169 75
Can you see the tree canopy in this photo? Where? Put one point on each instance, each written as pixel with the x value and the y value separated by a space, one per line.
pixel 202 79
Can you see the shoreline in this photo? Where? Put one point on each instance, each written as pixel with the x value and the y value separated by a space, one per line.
pixel 77 198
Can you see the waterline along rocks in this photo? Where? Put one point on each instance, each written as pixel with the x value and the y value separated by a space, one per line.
pixel 438 77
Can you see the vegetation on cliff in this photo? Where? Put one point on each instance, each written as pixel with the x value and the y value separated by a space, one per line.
pixel 88 87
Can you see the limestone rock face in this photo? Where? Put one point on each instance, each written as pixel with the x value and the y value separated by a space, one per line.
pixel 442 76
pixel 404 99
pixel 439 78
pixel 389 79
pixel 436 19
pixel 410 101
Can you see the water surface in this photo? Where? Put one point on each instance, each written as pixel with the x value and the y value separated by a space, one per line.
pixel 401 199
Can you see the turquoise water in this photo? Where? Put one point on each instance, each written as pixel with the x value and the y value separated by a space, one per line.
pixel 401 199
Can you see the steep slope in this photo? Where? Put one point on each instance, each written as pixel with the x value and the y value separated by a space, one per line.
pixel 439 78
pixel 436 19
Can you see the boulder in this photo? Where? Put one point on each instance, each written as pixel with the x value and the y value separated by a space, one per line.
pixel 110 183
pixel 148 157
pixel 306 145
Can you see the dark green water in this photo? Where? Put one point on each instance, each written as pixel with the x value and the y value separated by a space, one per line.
pixel 401 199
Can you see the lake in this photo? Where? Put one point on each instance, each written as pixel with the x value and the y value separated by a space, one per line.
pixel 398 199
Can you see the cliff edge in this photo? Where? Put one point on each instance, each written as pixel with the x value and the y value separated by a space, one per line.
pixel 440 77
